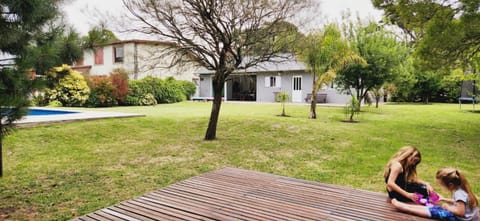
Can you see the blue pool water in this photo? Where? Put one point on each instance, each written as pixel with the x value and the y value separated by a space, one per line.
pixel 42 112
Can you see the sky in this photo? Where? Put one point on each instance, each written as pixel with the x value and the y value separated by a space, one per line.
pixel 82 13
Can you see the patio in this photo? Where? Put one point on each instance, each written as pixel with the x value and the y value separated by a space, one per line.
pixel 237 194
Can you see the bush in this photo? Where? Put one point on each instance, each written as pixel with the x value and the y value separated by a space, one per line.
pixel 169 91
pixel 119 78
pixel 102 92
pixel 164 91
pixel 71 89
pixel 141 100
pixel 189 89
pixel 55 104
pixel 139 94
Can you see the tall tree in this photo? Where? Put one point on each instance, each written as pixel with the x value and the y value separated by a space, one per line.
pixel 20 21
pixel 217 34
pixel 97 36
pixel 382 52
pixel 325 52
pixel 55 45
pixel 446 33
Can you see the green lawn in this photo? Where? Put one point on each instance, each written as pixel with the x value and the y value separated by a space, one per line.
pixel 59 171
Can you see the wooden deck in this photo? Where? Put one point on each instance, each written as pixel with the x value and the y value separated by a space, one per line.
pixel 236 194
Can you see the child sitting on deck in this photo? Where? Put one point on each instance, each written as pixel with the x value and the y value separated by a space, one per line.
pixel 463 206
pixel 401 176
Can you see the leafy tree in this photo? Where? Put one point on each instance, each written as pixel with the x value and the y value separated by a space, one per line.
pixel 286 34
pixel 325 52
pixel 381 51
pixel 97 36
pixel 402 86
pixel 56 46
pixel 428 83
pixel 20 21
pixel 447 33
pixel 220 35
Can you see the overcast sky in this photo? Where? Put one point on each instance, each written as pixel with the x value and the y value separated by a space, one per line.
pixel 81 13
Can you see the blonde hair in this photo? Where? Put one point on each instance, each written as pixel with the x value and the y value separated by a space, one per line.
pixel 453 176
pixel 402 157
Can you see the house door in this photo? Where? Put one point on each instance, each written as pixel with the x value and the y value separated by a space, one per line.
pixel 297 89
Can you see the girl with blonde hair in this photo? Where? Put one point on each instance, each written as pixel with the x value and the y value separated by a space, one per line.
pixel 401 176
pixel 463 206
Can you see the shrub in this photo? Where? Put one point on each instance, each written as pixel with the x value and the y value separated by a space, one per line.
pixel 169 91
pixel 119 78
pixel 102 92
pixel 140 93
pixel 55 103
pixel 189 89
pixel 71 89
pixel 141 100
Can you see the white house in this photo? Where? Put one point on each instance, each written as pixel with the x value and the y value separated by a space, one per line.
pixel 140 58
pixel 263 82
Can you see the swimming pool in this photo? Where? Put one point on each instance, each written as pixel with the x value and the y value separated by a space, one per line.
pixel 43 112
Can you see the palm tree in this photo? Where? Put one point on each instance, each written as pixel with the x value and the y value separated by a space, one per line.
pixel 325 53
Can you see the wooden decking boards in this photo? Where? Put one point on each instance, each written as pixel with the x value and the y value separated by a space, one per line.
pixel 237 194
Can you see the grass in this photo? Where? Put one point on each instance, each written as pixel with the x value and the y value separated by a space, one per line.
pixel 59 171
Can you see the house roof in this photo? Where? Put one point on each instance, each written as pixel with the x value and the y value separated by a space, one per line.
pixel 140 41
pixel 275 65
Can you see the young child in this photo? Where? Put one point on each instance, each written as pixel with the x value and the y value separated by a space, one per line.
pixel 401 176
pixel 463 206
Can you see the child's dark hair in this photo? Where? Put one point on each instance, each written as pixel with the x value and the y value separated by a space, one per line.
pixel 454 177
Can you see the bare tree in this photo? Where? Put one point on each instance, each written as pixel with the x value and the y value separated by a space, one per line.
pixel 220 35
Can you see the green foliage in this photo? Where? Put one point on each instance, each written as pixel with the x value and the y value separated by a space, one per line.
pixel 20 23
pixel 169 91
pixel 283 98
pixel 98 36
pixel 140 100
pixel 352 108
pixel 325 53
pixel 382 52
pixel 68 86
pixel 140 94
pixel 446 33
pixel 189 89
pixel 55 103
pixel 283 40
pixel 164 91
pixel 54 47
pixel 14 89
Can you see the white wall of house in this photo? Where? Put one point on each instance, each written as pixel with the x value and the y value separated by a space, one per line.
pixel 140 59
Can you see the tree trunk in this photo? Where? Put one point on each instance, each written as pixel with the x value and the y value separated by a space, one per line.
pixel 218 85
pixel 313 103
pixel 1 150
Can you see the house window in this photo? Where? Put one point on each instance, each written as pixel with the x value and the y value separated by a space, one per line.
pixel 273 81
pixel 118 54
pixel 99 56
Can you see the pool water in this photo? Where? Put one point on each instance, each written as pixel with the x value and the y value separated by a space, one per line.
pixel 42 112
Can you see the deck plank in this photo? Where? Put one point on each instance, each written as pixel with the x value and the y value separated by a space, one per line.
pixel 237 194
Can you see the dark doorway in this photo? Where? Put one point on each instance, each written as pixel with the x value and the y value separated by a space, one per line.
pixel 242 88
